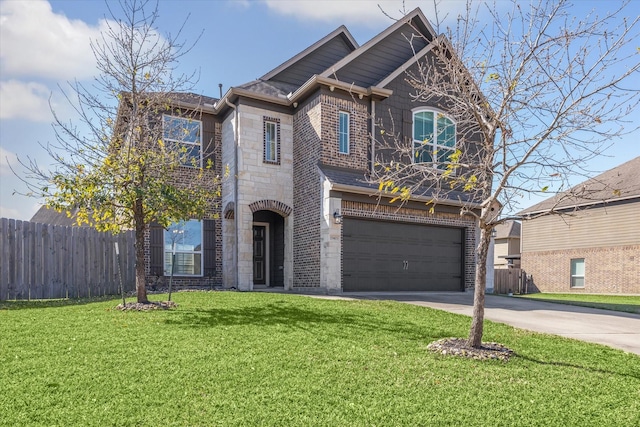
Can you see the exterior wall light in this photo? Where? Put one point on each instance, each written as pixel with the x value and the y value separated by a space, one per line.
pixel 337 218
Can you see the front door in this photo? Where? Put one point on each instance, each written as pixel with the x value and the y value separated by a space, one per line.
pixel 259 255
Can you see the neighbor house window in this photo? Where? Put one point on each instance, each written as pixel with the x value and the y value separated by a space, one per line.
pixel 184 135
pixel 184 239
pixel 434 138
pixel 343 132
pixel 577 273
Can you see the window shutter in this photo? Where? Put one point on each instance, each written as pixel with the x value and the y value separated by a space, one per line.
pixel 156 249
pixel 209 247
pixel 407 126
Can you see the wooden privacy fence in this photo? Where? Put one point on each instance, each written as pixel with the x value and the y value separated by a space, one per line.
pixel 506 280
pixel 39 261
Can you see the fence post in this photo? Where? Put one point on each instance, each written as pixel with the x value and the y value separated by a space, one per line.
pixel 4 259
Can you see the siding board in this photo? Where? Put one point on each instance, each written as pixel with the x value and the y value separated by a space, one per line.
pixel 598 227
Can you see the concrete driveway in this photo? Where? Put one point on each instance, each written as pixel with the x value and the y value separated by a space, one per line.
pixel 611 328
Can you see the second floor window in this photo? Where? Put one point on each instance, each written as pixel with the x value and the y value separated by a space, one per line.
pixel 343 132
pixel 183 135
pixel 434 138
pixel 271 140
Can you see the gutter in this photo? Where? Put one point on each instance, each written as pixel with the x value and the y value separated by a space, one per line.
pixel 559 209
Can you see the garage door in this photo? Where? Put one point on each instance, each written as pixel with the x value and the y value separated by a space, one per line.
pixel 385 256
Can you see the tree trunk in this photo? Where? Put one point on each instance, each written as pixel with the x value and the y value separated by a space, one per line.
pixel 477 324
pixel 141 280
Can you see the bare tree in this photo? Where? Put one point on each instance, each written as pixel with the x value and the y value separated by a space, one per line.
pixel 532 94
pixel 118 169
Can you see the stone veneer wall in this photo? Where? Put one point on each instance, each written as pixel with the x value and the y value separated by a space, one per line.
pixel 419 216
pixel 307 124
pixel 183 176
pixel 607 270
pixel 259 182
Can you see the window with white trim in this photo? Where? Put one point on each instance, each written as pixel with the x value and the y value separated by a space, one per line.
pixel 270 141
pixel 434 138
pixel 577 273
pixel 343 132
pixel 183 243
pixel 185 136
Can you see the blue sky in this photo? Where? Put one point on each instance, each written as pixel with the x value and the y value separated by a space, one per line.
pixel 46 43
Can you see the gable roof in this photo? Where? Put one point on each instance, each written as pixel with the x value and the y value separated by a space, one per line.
pixel 45 215
pixel 508 229
pixel 314 59
pixel 385 53
pixel 617 184
pixel 337 61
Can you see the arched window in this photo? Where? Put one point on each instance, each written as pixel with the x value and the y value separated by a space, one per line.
pixel 434 138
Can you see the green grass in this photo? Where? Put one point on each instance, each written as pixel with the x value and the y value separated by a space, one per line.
pixel 626 303
pixel 244 359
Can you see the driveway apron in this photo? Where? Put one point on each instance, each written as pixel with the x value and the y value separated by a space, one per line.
pixel 611 328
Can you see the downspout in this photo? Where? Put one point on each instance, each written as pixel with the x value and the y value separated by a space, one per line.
pixel 373 135
pixel 236 252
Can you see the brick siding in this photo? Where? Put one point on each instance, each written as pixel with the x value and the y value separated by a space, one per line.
pixel 607 270
pixel 307 123
pixel 358 133
pixel 184 176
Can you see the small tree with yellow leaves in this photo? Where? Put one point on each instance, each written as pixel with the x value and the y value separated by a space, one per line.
pixel 534 91
pixel 119 169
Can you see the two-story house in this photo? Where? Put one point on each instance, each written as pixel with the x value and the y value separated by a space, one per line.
pixel 587 239
pixel 296 210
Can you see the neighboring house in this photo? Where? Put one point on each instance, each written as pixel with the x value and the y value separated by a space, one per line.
pixel 506 252
pixel 296 211
pixel 46 215
pixel 594 246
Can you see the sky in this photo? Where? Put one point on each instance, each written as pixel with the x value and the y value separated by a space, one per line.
pixel 45 44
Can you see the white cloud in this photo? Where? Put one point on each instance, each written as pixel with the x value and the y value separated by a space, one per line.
pixel 38 43
pixel 364 12
pixel 25 100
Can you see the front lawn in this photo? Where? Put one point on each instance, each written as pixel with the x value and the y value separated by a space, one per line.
pixel 244 359
pixel 626 303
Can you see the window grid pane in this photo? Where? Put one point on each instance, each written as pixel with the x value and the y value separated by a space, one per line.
pixel 577 273
pixel 423 126
pixel 343 132
pixel 186 237
pixel 183 136
pixel 434 138
pixel 270 145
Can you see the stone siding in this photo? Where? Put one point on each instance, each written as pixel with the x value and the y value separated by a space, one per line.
pixel 260 181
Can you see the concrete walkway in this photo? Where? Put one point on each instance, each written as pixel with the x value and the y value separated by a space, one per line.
pixel 611 328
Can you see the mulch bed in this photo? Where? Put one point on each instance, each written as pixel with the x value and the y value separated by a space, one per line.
pixel 151 305
pixel 459 347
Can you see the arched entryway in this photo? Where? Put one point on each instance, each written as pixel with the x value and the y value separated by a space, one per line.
pixel 269 243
